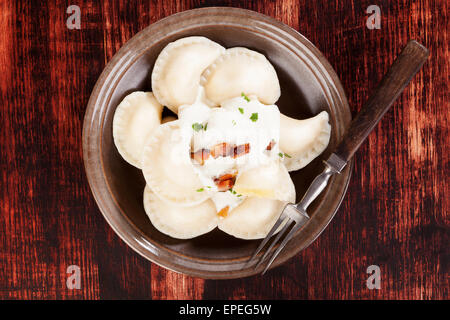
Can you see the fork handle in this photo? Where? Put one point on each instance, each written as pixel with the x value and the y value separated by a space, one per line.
pixel 410 60
pixel 399 75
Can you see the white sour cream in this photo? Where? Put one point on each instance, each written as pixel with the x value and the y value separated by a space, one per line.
pixel 237 122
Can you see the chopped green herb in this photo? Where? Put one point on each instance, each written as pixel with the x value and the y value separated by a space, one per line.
pixel 245 97
pixel 286 155
pixel 254 117
pixel 200 190
pixel 241 110
pixel 208 187
pixel 239 195
pixel 233 122
pixel 280 155
pixel 197 126
pixel 206 125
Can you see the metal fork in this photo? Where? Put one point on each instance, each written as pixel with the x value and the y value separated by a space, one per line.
pixel 294 216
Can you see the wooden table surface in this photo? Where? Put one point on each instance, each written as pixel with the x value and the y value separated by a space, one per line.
pixel 395 213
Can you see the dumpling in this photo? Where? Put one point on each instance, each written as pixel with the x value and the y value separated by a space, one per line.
pixel 253 218
pixel 303 140
pixel 240 70
pixel 134 120
pixel 180 222
pixel 270 181
pixel 168 169
pixel 177 70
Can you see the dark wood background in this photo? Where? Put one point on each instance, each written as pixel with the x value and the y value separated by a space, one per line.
pixel 395 213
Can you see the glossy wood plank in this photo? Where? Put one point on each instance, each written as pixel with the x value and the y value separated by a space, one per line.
pixel 395 214
pixel 399 75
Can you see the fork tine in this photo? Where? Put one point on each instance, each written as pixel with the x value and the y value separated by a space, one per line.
pixel 279 235
pixel 282 245
pixel 267 238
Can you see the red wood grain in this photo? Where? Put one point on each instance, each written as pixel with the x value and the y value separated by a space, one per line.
pixel 394 215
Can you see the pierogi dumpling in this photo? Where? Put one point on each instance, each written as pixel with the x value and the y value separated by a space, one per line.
pixel 180 222
pixel 135 118
pixel 240 70
pixel 177 70
pixel 303 140
pixel 168 169
pixel 270 181
pixel 253 218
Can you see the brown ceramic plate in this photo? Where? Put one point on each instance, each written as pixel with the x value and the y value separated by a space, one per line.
pixel 308 86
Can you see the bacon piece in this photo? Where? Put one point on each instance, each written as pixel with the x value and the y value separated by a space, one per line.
pixel 221 150
pixel 240 150
pixel 224 185
pixel 271 145
pixel 200 155
pixel 226 176
pixel 225 182
pixel 224 211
